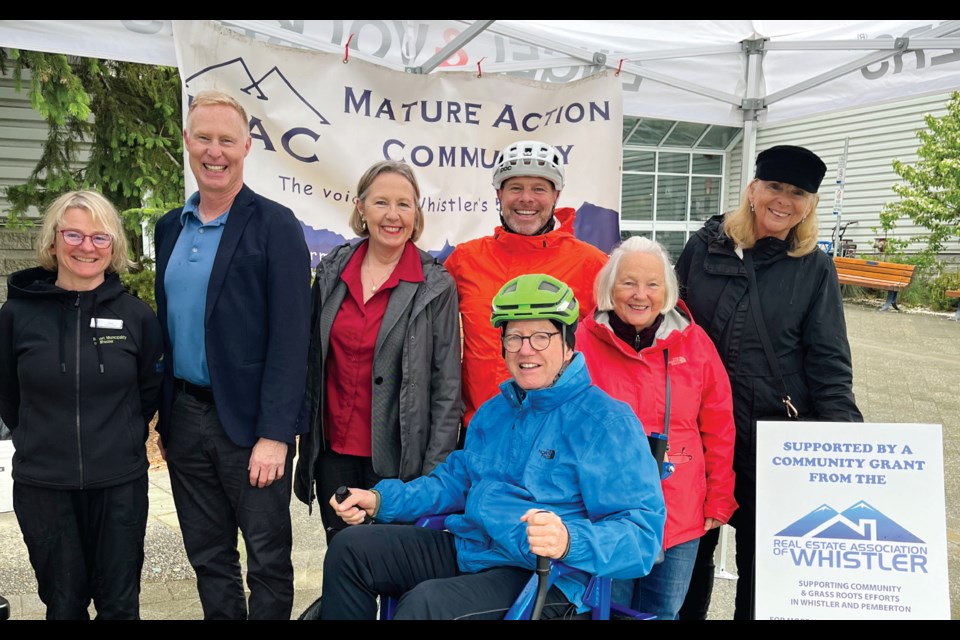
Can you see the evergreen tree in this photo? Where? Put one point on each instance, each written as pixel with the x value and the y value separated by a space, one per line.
pixel 930 191
pixel 126 116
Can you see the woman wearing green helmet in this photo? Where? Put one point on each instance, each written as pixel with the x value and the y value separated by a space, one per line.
pixel 542 303
pixel 552 466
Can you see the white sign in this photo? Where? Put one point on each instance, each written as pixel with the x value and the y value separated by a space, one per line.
pixel 318 123
pixel 851 522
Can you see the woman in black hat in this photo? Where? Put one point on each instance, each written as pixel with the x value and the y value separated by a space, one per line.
pixel 772 234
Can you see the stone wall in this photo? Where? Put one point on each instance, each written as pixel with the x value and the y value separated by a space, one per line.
pixel 16 252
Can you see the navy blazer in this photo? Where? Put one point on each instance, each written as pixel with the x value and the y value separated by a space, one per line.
pixel 257 321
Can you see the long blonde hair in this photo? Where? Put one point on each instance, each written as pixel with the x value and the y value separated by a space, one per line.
pixel 738 225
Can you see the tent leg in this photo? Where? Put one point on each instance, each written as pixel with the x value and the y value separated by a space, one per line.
pixel 721 566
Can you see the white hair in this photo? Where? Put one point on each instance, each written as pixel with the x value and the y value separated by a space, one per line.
pixel 607 278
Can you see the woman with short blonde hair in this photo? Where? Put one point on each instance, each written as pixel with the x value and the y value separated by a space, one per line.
pixel 80 371
pixel 103 214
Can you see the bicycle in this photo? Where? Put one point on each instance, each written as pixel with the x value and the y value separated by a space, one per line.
pixel 848 249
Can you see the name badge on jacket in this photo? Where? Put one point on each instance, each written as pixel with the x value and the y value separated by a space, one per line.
pixel 106 323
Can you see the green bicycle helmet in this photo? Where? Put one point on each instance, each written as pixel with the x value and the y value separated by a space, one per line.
pixel 537 296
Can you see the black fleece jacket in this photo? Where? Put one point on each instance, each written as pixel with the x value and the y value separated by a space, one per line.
pixel 80 377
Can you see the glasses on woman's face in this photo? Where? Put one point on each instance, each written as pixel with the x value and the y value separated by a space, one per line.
pixel 539 341
pixel 75 238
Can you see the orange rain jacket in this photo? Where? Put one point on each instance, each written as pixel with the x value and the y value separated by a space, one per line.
pixel 481 266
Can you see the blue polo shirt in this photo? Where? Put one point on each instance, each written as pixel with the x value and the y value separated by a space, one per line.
pixel 185 284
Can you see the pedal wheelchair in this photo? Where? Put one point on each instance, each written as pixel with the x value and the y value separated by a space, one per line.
pixel 527 605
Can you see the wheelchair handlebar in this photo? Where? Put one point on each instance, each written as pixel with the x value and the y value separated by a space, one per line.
pixel 341 494
pixel 543 575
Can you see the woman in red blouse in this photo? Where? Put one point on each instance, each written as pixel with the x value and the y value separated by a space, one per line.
pixel 384 367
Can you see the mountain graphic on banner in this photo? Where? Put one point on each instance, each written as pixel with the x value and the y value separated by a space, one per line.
pixel 858 522
pixel 236 72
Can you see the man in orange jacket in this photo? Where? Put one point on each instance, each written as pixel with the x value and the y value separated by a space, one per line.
pixel 533 237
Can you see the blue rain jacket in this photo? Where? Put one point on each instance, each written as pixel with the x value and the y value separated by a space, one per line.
pixel 570 449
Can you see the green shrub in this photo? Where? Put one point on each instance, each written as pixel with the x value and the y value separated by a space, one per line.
pixel 940 285
pixel 140 283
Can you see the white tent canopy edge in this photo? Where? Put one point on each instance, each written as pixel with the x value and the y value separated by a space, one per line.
pixel 745 73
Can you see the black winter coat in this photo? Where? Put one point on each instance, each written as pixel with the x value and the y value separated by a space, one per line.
pixel 79 395
pixel 803 312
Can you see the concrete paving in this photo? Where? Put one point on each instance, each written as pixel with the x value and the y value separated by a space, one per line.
pixel 906 369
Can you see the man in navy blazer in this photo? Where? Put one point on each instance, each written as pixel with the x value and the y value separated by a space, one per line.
pixel 233 297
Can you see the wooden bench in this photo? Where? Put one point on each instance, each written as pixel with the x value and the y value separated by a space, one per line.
pixel 873 274
pixel 955 293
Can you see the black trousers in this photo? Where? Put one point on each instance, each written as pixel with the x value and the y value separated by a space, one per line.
pixel 333 471
pixel 697 603
pixel 211 489
pixel 418 566
pixel 85 545
pixel 744 520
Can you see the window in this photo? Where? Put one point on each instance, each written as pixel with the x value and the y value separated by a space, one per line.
pixel 673 174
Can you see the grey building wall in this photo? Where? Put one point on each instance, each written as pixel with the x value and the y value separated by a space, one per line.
pixel 22 132
pixel 17 251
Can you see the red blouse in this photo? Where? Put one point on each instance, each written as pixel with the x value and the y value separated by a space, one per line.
pixel 353 336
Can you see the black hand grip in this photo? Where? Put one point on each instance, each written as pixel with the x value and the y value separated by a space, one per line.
pixel 341 494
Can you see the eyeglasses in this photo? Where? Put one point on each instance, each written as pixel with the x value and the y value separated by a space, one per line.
pixel 75 238
pixel 539 341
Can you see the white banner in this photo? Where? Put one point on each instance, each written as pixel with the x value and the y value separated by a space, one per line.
pixel 851 522
pixel 318 123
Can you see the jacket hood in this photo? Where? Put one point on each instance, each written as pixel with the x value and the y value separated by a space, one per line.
pixel 676 321
pixel 766 250
pixel 38 282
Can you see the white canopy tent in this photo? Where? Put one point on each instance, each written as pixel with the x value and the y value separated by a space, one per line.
pixel 744 73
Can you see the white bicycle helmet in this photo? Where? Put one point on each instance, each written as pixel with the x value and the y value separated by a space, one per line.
pixel 529 158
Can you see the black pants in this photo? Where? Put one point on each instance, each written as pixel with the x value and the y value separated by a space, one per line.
pixel 419 566
pixel 85 545
pixel 335 470
pixel 699 593
pixel 697 603
pixel 744 520
pixel 212 492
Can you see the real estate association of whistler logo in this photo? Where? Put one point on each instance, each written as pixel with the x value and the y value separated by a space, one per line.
pixel 858 538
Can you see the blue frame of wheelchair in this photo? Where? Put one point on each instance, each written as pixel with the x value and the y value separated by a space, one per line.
pixel 596 596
